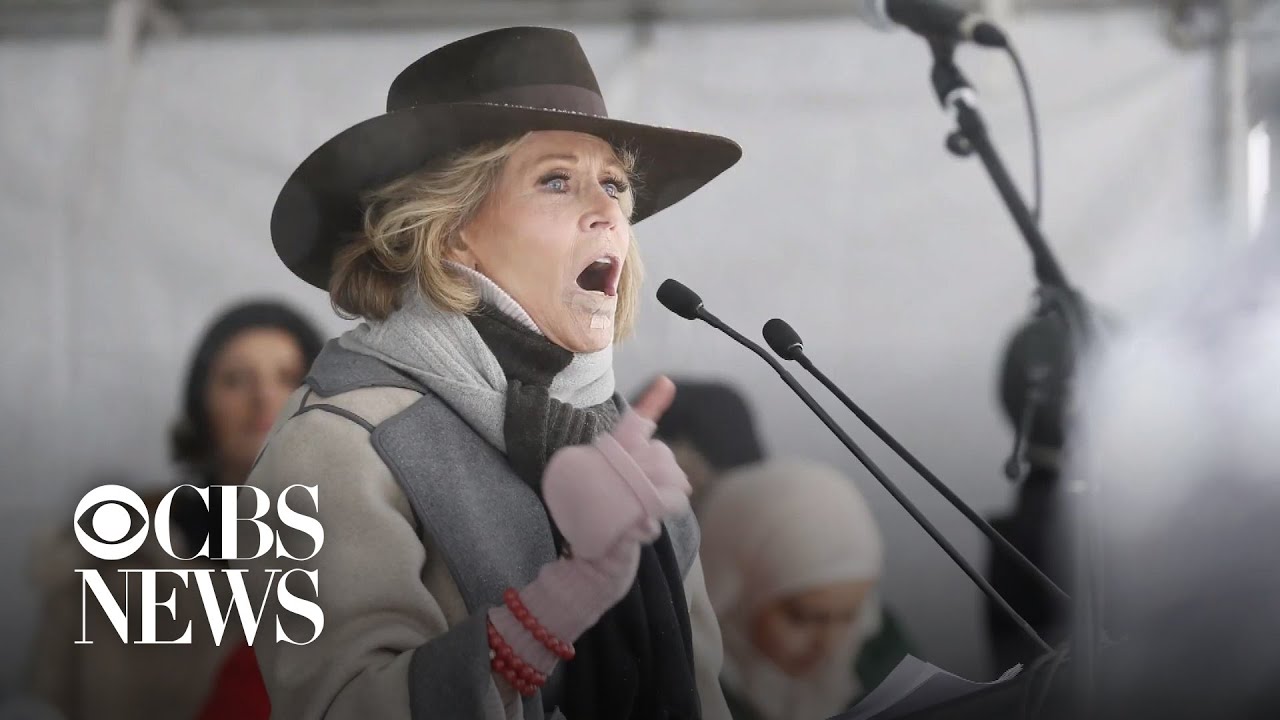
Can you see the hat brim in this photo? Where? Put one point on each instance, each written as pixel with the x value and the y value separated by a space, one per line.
pixel 320 207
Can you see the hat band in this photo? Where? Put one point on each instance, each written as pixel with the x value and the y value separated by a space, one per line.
pixel 547 96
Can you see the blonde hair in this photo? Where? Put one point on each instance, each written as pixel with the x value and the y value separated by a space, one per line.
pixel 411 224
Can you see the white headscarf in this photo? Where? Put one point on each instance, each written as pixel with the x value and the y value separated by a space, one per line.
pixel 774 529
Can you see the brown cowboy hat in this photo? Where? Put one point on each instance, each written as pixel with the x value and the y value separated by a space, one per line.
pixel 493 86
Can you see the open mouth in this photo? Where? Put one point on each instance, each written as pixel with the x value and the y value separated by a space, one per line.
pixel 601 275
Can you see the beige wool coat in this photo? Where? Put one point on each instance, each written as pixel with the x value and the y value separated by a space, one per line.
pixel 385 591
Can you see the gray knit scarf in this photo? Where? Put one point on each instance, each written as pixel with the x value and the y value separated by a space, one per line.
pixel 443 351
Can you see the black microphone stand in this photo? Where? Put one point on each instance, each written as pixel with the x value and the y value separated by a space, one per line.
pixel 1056 296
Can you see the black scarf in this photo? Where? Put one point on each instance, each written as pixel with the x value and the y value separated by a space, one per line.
pixel 637 661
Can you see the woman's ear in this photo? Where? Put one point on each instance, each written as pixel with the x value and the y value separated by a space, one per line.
pixel 459 252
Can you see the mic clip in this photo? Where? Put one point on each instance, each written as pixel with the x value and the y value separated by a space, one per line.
pixel 952 90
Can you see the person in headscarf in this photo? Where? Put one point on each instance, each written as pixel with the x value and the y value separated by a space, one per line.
pixel 793 560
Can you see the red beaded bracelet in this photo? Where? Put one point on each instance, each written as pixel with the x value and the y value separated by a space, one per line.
pixel 562 649
pixel 503 660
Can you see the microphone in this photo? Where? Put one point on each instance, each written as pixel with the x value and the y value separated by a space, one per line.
pixel 679 299
pixel 785 341
pixel 933 19
pixel 684 302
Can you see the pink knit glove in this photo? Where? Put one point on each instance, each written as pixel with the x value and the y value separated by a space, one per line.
pixel 568 597
pixel 620 487
pixel 607 499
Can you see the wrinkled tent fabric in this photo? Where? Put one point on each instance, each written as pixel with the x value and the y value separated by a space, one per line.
pixel 128 220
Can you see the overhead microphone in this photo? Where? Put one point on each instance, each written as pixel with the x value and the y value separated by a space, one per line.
pixel 786 342
pixel 934 20
pixel 687 304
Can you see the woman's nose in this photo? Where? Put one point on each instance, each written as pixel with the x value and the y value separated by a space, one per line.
pixel 825 642
pixel 259 392
pixel 603 212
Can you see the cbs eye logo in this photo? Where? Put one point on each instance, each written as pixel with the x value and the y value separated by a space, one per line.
pixel 111 522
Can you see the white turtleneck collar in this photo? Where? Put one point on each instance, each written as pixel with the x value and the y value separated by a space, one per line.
pixel 493 295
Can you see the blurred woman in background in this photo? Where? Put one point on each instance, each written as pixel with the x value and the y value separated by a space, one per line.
pixel 710 428
pixel 244 369
pixel 247 363
pixel 793 561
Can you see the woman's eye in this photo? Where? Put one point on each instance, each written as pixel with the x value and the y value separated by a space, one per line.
pixel 614 188
pixel 234 379
pixel 556 183
pixel 797 617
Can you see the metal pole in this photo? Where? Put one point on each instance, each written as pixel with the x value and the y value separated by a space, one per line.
pixel 1233 84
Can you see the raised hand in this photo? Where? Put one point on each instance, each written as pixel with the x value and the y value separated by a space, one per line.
pixel 622 485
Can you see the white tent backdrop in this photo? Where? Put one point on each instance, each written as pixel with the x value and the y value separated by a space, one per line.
pixel 131 211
